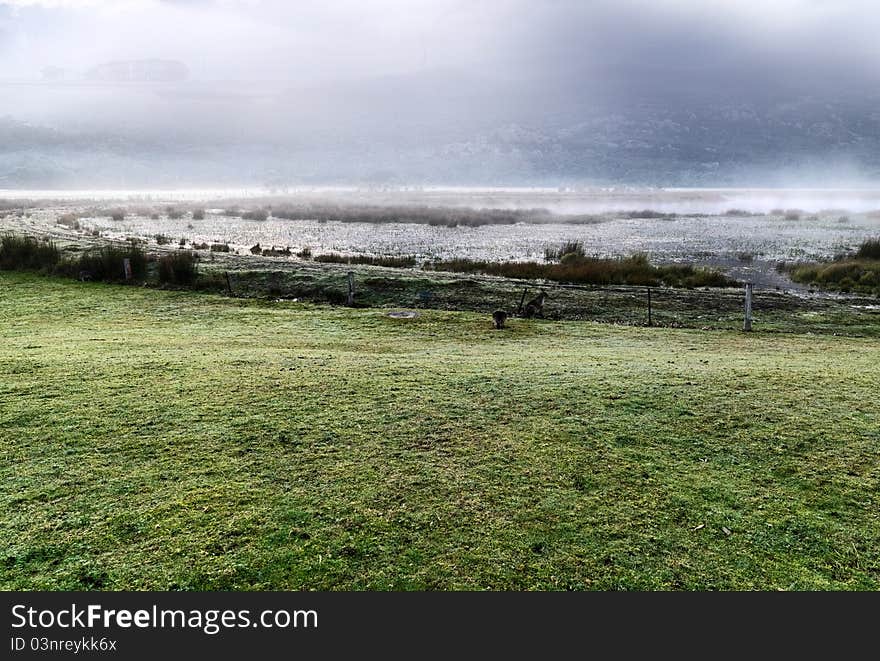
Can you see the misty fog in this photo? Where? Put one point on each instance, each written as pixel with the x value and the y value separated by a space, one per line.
pixel 161 94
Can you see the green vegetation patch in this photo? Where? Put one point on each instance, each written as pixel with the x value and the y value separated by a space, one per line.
pixel 854 273
pixel 174 440
pixel 575 267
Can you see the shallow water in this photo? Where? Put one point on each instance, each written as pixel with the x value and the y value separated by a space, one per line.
pixel 693 238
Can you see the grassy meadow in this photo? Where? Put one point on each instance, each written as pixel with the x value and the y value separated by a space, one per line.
pixel 177 440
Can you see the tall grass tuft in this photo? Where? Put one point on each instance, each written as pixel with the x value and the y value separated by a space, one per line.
pixel 556 253
pixel 633 270
pixel 393 262
pixel 178 268
pixel 28 253
pixel 107 263
pixel 870 249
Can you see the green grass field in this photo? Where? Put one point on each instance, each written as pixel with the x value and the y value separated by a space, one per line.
pixel 171 440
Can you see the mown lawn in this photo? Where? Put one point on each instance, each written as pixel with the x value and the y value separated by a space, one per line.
pixel 169 440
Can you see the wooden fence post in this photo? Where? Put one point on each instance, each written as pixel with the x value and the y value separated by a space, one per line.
pixel 521 299
pixel 350 288
pixel 747 322
pixel 650 321
pixel 228 283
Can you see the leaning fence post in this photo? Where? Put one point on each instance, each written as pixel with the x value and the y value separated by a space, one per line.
pixel 650 322
pixel 228 283
pixel 350 288
pixel 747 322
pixel 126 268
pixel 521 299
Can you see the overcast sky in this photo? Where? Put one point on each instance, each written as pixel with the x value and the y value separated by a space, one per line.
pixel 402 74
pixel 330 39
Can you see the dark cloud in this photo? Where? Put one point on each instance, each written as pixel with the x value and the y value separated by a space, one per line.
pixel 547 89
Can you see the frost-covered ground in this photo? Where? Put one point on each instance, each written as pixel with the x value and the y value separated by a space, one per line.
pixel 746 245
pixel 681 238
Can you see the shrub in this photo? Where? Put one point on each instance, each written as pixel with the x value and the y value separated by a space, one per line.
pixel 633 270
pixel 256 249
pixel 173 213
pixel 256 214
pixel 839 271
pixel 198 214
pixel 333 295
pixel 200 246
pixel 162 240
pixel 68 220
pixel 842 274
pixel 391 262
pixel 178 268
pixel 305 253
pixel 219 247
pixel 107 263
pixel 647 213
pixel 117 215
pixel 870 278
pixel 870 249
pixel 28 253
pixel 276 252
pixel 556 253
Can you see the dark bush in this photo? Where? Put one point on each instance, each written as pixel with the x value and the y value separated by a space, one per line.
pixel 305 253
pixel 178 268
pixel 633 270
pixel 276 252
pixel 647 214
pixel 333 296
pixel 28 253
pixel 198 214
pixel 107 263
pixel 870 249
pixel 391 262
pixel 556 253
pixel 219 247
pixel 162 240
pixel 255 214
